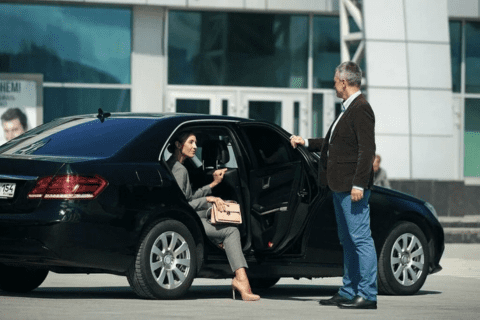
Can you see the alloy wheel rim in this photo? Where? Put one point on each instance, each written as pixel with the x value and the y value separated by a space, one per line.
pixel 170 260
pixel 407 259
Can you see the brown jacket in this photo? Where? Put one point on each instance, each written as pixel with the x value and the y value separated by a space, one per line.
pixel 347 159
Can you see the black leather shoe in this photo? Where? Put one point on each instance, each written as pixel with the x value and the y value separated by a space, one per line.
pixel 334 301
pixel 358 303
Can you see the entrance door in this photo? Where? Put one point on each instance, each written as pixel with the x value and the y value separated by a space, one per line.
pixel 201 101
pixel 290 111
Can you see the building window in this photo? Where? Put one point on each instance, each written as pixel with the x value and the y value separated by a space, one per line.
pixel 326 50
pixel 193 106
pixel 456 53
pixel 472 138
pixel 270 111
pixel 237 49
pixel 317 115
pixel 62 102
pixel 66 43
pixel 472 57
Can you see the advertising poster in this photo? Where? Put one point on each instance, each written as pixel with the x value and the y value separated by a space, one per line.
pixel 20 103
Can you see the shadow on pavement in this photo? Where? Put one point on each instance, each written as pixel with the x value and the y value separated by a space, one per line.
pixel 196 292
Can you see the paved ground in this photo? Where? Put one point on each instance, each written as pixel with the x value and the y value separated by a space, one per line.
pixel 450 294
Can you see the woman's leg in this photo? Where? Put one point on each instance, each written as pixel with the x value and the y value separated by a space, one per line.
pixel 230 237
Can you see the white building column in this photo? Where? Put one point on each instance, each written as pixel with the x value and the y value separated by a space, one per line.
pixel 148 59
pixel 409 87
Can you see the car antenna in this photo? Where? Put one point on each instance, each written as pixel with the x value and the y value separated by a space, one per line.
pixel 102 116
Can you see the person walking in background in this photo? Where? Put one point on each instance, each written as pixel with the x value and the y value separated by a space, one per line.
pixel 346 161
pixel 379 174
pixel 14 123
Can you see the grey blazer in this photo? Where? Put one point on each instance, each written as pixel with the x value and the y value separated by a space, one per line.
pixel 196 199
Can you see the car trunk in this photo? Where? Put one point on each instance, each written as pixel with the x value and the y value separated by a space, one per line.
pixel 18 176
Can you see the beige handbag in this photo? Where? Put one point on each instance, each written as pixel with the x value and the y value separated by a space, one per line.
pixel 231 215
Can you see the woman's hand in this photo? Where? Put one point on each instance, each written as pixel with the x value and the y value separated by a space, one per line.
pixel 218 177
pixel 218 202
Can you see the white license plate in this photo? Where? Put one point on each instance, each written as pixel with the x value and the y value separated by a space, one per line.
pixel 7 189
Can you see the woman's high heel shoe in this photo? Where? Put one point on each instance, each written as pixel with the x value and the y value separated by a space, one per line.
pixel 244 290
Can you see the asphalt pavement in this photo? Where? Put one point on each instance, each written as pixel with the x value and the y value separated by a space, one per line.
pixel 449 294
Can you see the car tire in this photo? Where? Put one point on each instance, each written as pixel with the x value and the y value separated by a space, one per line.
pixel 21 279
pixel 404 260
pixel 263 283
pixel 165 265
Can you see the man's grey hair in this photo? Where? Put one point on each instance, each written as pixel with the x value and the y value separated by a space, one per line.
pixel 351 72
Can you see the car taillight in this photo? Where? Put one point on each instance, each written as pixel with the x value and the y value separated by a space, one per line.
pixel 68 187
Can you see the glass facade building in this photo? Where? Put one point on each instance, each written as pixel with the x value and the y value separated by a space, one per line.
pixel 237 49
pixel 465 50
pixel 85 48
pixel 273 65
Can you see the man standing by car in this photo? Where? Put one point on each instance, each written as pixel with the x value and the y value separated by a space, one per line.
pixel 346 158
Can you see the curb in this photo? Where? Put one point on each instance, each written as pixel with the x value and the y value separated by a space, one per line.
pixel 464 229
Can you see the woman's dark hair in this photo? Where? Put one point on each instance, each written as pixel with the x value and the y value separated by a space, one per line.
pixel 180 137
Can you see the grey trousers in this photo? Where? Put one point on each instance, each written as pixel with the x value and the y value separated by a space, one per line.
pixel 230 237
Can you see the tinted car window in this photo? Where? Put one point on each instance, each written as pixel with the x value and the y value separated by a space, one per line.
pixel 79 137
pixel 269 147
pixel 210 134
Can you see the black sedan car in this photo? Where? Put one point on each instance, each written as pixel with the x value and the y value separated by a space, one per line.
pixel 93 194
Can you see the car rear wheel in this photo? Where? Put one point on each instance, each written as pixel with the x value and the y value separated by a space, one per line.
pixel 21 279
pixel 166 262
pixel 263 283
pixel 404 260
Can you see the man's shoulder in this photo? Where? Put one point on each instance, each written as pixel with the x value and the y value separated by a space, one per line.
pixel 360 100
pixel 361 103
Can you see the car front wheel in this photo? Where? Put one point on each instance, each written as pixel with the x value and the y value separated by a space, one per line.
pixel 21 279
pixel 404 260
pixel 166 262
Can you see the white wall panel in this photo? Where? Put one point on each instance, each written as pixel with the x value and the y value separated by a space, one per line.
pixel 179 3
pixel 384 19
pixel 386 64
pixel 432 158
pixel 429 65
pixel 391 110
pixel 148 59
pixel 394 151
pixel 218 4
pixel 256 4
pixel 427 20
pixel 463 8
pixel 118 1
pixel 297 5
pixel 432 112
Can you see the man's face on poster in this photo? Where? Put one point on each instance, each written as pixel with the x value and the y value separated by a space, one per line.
pixel 12 129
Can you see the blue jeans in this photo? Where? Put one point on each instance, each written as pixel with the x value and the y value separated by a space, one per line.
pixel 359 255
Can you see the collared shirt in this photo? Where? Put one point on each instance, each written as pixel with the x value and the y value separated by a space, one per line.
pixel 345 104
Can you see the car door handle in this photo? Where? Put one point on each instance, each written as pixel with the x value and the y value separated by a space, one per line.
pixel 265 183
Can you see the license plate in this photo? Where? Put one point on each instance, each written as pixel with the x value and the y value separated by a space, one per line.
pixel 7 190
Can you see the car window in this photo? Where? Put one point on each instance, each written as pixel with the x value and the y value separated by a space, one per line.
pixel 79 137
pixel 207 136
pixel 269 147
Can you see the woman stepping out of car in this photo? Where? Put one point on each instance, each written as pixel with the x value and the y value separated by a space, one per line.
pixel 184 146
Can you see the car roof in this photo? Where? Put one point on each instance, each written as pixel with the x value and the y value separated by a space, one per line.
pixel 166 115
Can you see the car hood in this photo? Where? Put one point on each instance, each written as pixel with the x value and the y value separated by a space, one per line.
pixel 396 193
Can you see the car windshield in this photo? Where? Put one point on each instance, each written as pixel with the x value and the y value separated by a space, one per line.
pixel 77 137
